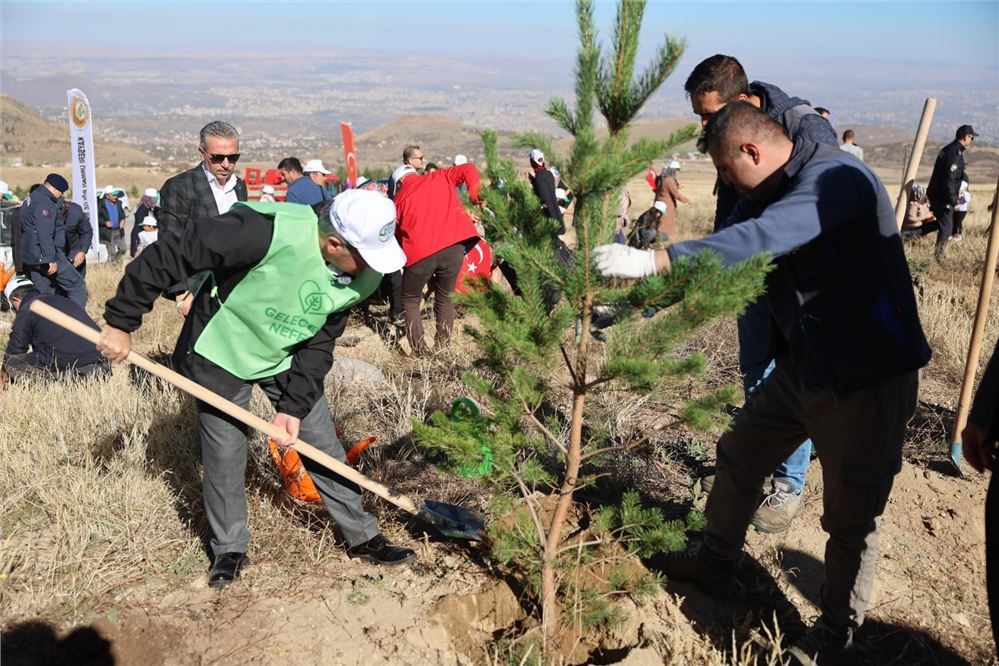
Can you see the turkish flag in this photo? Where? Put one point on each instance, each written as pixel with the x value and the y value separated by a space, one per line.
pixel 478 262
pixel 650 177
pixel 350 157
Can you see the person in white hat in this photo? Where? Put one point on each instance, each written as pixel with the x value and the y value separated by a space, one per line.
pixel 315 170
pixel 149 202
pixel 111 219
pixel 267 194
pixel 149 233
pixel 285 276
pixel 37 348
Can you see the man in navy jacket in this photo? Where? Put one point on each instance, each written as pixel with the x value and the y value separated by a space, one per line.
pixel 43 237
pixel 848 345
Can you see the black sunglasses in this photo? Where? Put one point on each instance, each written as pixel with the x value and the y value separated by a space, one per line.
pixel 219 159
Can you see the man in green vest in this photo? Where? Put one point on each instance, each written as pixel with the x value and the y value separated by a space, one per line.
pixel 283 278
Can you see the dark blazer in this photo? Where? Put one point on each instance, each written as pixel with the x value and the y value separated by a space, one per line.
pixel 187 197
pixel 103 233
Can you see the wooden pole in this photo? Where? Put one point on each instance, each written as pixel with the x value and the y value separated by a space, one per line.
pixel 909 175
pixel 975 347
pixel 230 408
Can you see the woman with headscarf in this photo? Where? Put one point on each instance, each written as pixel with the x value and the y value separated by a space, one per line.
pixel 150 200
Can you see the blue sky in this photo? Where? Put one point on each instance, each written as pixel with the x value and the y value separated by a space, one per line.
pixel 940 32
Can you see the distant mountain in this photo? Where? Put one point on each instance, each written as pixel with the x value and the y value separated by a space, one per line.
pixel 28 138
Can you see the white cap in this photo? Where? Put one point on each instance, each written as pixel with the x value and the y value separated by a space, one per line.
pixel 401 172
pixel 559 193
pixel 366 220
pixel 15 282
pixel 460 159
pixel 267 189
pixel 149 220
pixel 674 165
pixel 537 156
pixel 362 180
pixel 660 206
pixel 151 192
pixel 4 187
pixel 316 165
pixel 110 189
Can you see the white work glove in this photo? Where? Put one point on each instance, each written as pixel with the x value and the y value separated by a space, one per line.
pixel 622 261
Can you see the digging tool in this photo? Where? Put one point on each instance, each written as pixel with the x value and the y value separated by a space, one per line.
pixel 912 167
pixel 451 520
pixel 975 347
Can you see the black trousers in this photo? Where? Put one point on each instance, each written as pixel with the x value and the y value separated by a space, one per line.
pixel 945 224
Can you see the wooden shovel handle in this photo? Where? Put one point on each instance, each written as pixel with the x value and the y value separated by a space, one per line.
pixel 912 167
pixel 230 408
pixel 978 328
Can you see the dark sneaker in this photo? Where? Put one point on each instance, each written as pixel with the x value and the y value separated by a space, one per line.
pixel 700 567
pixel 778 508
pixel 226 569
pixel 824 645
pixel 379 551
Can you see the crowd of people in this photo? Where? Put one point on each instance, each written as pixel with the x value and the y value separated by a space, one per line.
pixel 281 278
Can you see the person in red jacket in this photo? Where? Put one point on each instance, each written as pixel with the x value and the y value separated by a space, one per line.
pixel 433 230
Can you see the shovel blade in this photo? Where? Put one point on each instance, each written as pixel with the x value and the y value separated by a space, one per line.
pixel 955 458
pixel 453 521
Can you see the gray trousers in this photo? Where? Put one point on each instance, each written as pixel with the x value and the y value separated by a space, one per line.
pixel 223 455
pixel 858 439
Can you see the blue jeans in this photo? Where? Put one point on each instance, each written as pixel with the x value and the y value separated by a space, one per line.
pixel 793 469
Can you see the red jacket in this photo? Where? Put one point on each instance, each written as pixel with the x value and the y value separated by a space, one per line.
pixel 429 213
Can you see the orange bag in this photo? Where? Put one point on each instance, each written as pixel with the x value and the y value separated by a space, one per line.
pixel 297 481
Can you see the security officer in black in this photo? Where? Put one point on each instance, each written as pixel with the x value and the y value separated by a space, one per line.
pixel 79 234
pixel 43 242
pixel 945 183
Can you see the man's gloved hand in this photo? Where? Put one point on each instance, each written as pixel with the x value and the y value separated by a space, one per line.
pixel 622 261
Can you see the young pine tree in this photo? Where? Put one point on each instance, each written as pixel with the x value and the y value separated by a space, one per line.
pixel 529 346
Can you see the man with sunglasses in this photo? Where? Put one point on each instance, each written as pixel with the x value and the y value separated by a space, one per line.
pixel 207 190
pixel 945 185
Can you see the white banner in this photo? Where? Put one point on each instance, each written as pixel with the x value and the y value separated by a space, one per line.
pixel 81 134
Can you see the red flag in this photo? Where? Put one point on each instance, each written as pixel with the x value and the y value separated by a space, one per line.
pixel 350 157
pixel 478 262
pixel 650 177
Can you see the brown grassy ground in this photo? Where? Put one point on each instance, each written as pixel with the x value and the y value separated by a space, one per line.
pixel 101 525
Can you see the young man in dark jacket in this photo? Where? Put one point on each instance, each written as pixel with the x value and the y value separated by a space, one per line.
pixel 850 346
pixel 945 184
pixel 282 283
pixel 712 84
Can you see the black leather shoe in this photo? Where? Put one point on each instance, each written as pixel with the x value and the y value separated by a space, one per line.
pixel 226 569
pixel 379 551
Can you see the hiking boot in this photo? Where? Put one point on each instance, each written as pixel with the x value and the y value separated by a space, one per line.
pixel 378 550
pixel 705 570
pixel 778 509
pixel 825 645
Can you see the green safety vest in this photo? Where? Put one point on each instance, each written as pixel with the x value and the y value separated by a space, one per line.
pixel 282 301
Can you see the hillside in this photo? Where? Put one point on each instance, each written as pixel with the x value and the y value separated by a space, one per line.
pixel 31 140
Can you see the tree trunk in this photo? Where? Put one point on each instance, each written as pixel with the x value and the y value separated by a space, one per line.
pixel 549 599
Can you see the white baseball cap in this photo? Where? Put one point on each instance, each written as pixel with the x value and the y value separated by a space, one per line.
pixel 537 156
pixel 151 192
pixel 267 189
pixel 366 221
pixel 316 165
pixel 401 172
pixel 660 206
pixel 14 283
pixel 674 165
pixel 362 180
pixel 4 187
pixel 460 159
pixel 149 221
